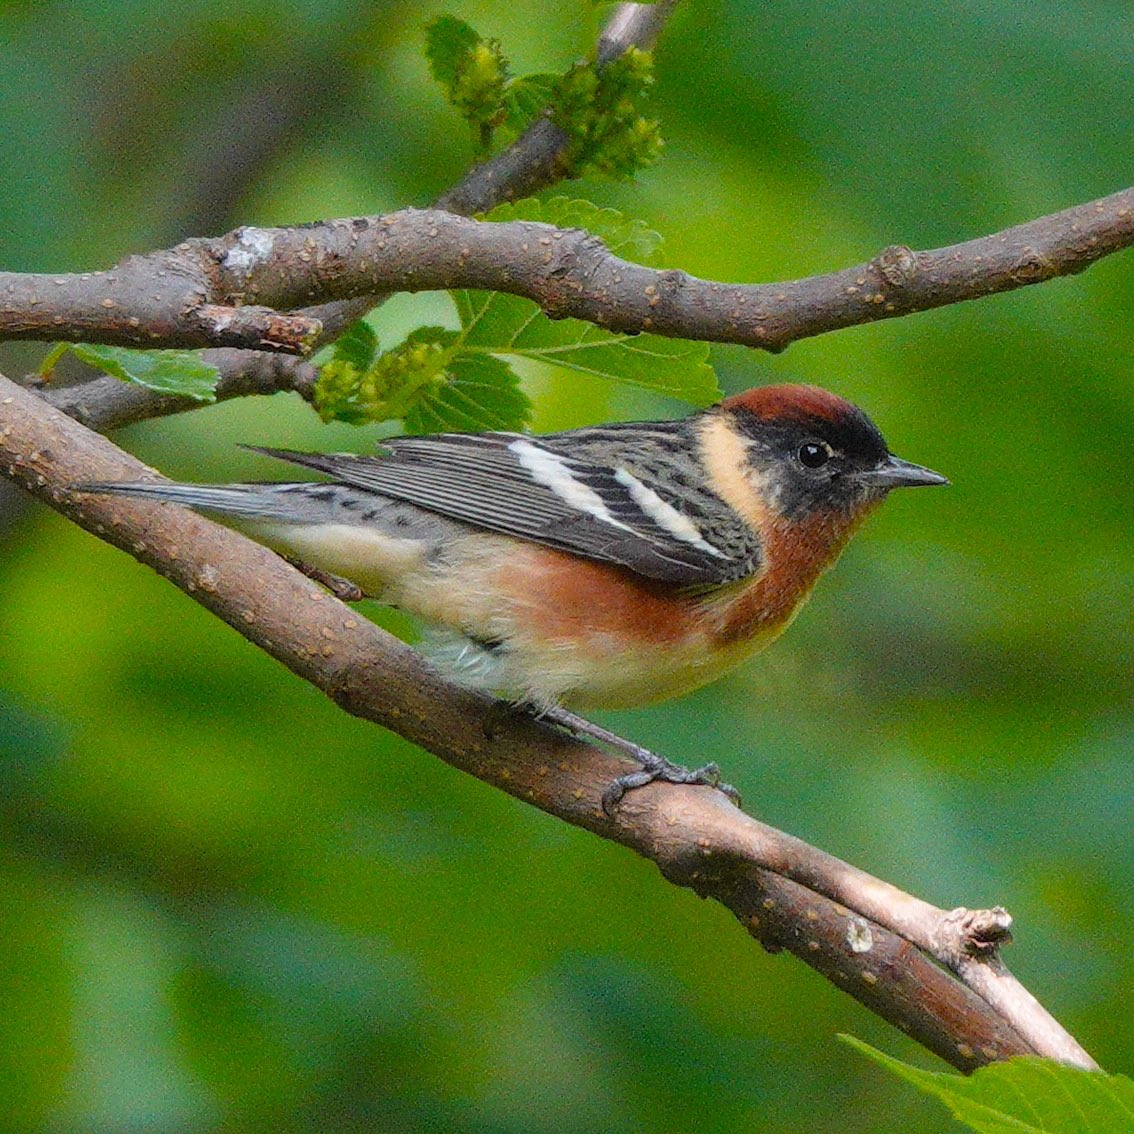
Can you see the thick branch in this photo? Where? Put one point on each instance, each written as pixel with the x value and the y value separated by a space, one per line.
pixel 162 299
pixel 190 295
pixel 696 838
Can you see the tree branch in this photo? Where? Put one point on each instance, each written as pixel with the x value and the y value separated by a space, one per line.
pixel 192 295
pixel 105 403
pixel 534 160
pixel 859 932
pixel 530 164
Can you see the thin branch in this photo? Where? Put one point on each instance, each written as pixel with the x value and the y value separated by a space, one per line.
pixel 633 25
pixel 534 160
pixel 857 931
pixel 105 404
pixel 531 163
pixel 190 295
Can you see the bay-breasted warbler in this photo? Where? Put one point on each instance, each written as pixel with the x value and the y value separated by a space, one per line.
pixel 607 566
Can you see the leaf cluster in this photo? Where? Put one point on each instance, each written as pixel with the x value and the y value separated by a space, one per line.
pixel 473 72
pixel 598 107
pixel 429 380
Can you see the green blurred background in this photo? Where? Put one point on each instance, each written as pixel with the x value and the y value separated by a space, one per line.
pixel 226 906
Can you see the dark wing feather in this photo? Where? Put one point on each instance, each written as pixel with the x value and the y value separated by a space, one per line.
pixel 478 479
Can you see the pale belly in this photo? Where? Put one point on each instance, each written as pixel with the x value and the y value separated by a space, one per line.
pixel 645 676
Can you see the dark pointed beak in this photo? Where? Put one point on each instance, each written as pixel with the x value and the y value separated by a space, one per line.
pixel 896 473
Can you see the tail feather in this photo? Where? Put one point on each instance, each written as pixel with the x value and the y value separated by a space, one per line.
pixel 364 537
pixel 288 502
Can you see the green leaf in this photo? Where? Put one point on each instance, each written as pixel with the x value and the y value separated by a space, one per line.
pixel 476 392
pixel 506 324
pixel 1026 1095
pixel 448 44
pixel 625 236
pixel 525 97
pixel 357 345
pixel 180 372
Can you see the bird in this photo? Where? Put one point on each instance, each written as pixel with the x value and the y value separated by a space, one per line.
pixel 608 566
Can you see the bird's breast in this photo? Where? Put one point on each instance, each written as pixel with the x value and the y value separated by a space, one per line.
pixel 796 554
pixel 598 636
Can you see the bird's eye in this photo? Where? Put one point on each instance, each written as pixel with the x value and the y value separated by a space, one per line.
pixel 814 454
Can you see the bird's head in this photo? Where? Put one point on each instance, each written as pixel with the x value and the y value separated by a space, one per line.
pixel 803 467
pixel 807 452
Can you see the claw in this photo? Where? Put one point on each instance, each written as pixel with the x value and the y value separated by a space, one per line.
pixel 658 768
pixel 654 767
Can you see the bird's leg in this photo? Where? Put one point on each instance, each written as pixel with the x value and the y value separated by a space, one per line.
pixel 654 767
pixel 342 589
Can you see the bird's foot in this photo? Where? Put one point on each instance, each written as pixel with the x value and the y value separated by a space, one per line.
pixel 653 767
pixel 656 767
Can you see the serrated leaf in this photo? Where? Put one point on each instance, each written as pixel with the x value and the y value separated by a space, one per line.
pixel 477 392
pixel 358 345
pixel 506 324
pixel 180 372
pixel 625 236
pixel 1025 1095
pixel 525 97
pixel 448 42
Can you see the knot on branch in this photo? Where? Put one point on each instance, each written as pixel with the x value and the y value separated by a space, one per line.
pixel 667 294
pixel 897 264
pixel 965 933
pixel 1032 267
pixel 244 250
pixel 258 328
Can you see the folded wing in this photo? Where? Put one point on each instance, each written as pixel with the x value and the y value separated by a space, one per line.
pixel 535 489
